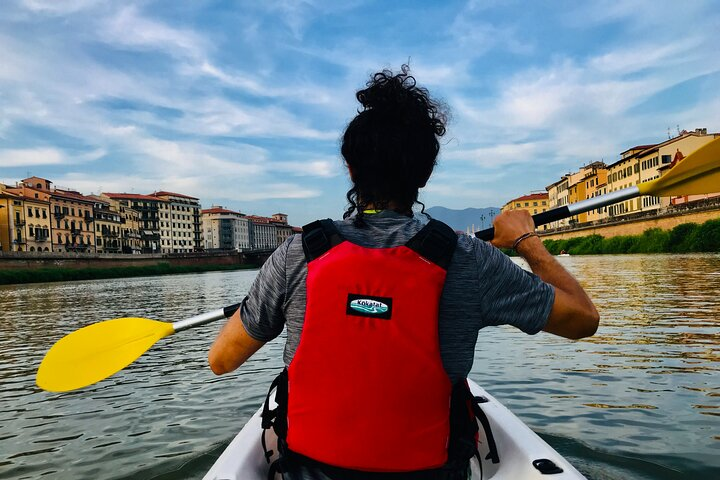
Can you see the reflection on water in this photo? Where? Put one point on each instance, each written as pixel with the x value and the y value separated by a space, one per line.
pixel 640 399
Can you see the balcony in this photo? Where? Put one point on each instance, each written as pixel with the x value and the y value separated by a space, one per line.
pixel 19 223
pixel 149 235
pixel 59 215
pixel 41 238
pixel 75 232
pixel 89 219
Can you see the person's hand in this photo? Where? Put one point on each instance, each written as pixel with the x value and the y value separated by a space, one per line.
pixel 511 225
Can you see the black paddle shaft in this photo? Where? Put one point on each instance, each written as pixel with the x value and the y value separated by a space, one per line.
pixel 539 219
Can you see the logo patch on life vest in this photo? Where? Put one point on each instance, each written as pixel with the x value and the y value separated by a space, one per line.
pixel 369 306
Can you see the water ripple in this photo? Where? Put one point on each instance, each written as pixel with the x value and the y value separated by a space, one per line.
pixel 638 400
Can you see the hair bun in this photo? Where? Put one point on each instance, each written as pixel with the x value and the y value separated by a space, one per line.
pixel 399 96
pixel 387 91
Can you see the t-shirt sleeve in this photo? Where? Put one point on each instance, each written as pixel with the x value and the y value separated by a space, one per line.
pixel 262 309
pixel 511 295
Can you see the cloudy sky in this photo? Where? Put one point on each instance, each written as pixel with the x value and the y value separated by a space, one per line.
pixel 242 103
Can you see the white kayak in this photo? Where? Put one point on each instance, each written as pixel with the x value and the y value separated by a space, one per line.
pixel 519 448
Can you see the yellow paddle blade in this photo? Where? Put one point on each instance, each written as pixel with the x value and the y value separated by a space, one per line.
pixel 696 174
pixel 97 351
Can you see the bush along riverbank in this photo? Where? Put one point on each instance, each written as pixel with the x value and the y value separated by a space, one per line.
pixel 685 238
pixel 67 274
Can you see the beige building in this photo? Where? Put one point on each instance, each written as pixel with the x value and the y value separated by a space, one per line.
pixel 263 234
pixel 108 226
pixel 130 238
pixel 225 229
pixel 282 229
pixel 180 223
pixel 148 208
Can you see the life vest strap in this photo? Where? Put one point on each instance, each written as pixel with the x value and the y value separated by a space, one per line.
pixel 318 237
pixel 435 242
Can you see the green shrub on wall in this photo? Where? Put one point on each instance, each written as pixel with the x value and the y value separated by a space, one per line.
pixel 687 237
pixel 67 274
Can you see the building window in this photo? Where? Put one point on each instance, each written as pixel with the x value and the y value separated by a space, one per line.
pixel 30 212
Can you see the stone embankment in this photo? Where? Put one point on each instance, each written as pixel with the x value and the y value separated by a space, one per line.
pixel 42 260
pixel 639 223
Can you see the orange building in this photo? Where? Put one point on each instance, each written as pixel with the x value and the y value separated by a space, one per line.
pixel 72 223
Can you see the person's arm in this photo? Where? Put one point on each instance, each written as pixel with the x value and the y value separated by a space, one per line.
pixel 573 314
pixel 232 347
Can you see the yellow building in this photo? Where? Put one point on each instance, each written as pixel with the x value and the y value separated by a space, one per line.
pixel 567 190
pixel 655 161
pixel 623 174
pixel 72 228
pixel 148 208
pixel 534 203
pixel 576 193
pixel 107 226
pixel 12 222
pixel 647 162
pixel 36 205
pixel 596 185
pixel 130 237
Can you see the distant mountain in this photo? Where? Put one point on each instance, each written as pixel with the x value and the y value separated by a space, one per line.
pixel 462 219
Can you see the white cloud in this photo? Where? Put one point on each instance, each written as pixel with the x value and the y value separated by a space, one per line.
pixel 32 156
pixel 324 168
pixel 58 7
pixel 265 191
pixel 128 28
pixel 497 156
pixel 45 156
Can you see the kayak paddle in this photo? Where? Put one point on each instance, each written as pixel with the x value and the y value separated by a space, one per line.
pixel 696 174
pixel 102 349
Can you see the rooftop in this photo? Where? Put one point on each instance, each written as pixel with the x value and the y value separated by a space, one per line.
pixel 171 194
pixel 216 210
pixel 532 196
pixel 133 196
pixel 72 195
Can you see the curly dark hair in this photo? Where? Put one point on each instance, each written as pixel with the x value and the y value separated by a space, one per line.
pixel 391 146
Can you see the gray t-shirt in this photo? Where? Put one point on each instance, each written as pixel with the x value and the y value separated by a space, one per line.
pixel 483 287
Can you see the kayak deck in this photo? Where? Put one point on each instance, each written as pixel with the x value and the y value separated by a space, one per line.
pixel 518 447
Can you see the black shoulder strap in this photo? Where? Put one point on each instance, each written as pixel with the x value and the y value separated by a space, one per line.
pixel 318 237
pixel 435 242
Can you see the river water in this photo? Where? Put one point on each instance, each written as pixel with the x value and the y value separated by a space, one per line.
pixel 640 399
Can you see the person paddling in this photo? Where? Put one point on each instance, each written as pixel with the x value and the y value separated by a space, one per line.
pixel 383 311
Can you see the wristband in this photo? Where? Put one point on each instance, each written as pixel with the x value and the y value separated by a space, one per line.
pixel 522 237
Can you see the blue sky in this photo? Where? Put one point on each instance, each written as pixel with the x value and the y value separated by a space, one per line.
pixel 243 103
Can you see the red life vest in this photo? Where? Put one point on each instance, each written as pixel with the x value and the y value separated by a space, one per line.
pixel 366 388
